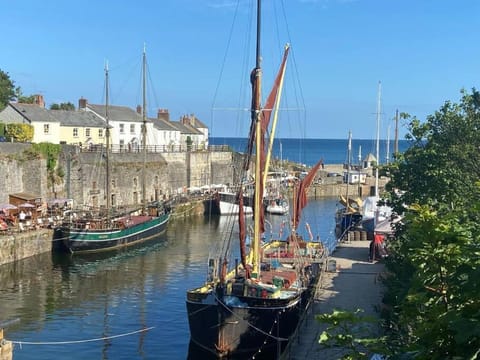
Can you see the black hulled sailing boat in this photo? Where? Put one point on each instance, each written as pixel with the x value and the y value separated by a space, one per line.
pixel 254 305
pixel 101 231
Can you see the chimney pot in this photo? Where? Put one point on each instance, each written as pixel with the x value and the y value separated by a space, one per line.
pixel 82 103
pixel 139 109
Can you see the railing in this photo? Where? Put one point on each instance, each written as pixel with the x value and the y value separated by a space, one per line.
pixel 118 148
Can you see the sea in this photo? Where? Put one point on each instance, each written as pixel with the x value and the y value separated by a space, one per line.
pixel 130 304
pixel 331 151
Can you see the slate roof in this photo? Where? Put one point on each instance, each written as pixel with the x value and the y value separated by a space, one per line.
pixel 33 112
pixel 78 118
pixel 186 129
pixel 161 124
pixel 195 122
pixel 117 113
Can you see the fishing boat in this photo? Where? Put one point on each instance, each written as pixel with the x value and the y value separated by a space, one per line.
pixel 253 299
pixel 106 229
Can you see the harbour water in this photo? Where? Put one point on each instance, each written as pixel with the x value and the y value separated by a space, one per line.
pixel 96 307
pixel 309 151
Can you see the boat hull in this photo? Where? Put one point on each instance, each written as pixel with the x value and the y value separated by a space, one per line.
pixel 91 240
pixel 241 327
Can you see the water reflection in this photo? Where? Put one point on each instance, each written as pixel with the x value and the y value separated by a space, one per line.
pixel 74 298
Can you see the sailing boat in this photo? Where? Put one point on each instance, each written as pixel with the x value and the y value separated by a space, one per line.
pixel 254 305
pixel 349 214
pixel 97 231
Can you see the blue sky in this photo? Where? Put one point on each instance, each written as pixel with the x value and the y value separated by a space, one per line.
pixel 423 52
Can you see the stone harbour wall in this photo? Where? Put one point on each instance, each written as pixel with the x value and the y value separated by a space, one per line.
pixel 19 246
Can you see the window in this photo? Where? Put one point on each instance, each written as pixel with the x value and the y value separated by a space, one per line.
pixel 132 128
pixel 87 132
pixel 122 128
pixel 100 133
pixel 75 132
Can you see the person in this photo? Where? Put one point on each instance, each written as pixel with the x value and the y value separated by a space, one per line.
pixel 377 248
pixel 21 216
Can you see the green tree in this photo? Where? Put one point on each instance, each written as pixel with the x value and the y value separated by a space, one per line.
pixel 26 99
pixel 63 106
pixel 434 267
pixel 8 92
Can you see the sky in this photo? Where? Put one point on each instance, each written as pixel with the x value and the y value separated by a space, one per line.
pixel 200 54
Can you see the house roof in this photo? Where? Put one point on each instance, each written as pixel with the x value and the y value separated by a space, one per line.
pixel 186 129
pixel 161 124
pixel 78 118
pixel 117 113
pixel 195 122
pixel 34 113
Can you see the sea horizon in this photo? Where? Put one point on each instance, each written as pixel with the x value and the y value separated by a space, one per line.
pixel 309 151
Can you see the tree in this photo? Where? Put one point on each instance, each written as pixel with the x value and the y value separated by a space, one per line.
pixel 434 266
pixel 8 92
pixel 63 106
pixel 26 99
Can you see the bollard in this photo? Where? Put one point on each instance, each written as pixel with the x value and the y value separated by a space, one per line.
pixel 6 349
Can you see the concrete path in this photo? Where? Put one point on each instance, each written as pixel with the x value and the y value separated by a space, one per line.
pixel 352 284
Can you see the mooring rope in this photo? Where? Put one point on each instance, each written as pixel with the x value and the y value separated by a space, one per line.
pixel 79 341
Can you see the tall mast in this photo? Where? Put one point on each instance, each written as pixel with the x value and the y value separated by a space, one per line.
pixel 395 149
pixel 256 113
pixel 349 161
pixel 144 130
pixel 387 158
pixel 377 154
pixel 107 143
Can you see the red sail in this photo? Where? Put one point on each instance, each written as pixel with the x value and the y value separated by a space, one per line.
pixel 242 234
pixel 266 114
pixel 300 201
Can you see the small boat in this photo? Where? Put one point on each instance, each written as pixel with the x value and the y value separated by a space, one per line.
pixel 106 229
pixel 278 206
pixel 253 304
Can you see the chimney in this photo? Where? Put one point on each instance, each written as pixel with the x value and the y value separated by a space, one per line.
pixel 39 100
pixel 82 103
pixel 139 109
pixel 163 114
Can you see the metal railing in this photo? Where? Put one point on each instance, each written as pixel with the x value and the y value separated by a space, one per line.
pixel 129 148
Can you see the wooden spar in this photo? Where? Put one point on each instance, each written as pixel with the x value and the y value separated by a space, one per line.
pixel 107 144
pixel 144 130
pixel 256 113
pixel 275 115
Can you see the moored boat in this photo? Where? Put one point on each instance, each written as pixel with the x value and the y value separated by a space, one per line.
pixel 253 299
pixel 105 229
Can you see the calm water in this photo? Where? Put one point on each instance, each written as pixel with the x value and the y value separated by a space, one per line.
pixel 72 300
pixel 310 151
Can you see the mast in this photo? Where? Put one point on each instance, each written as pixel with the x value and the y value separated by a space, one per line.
pixel 349 162
pixel 256 114
pixel 144 130
pixel 387 158
pixel 377 154
pixel 107 143
pixel 395 150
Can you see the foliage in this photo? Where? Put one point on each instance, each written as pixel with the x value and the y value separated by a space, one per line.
pixel 51 152
pixel 356 335
pixel 26 99
pixel 63 106
pixel 8 92
pixel 19 132
pixel 434 264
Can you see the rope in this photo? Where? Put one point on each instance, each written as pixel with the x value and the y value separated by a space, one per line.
pixel 79 341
